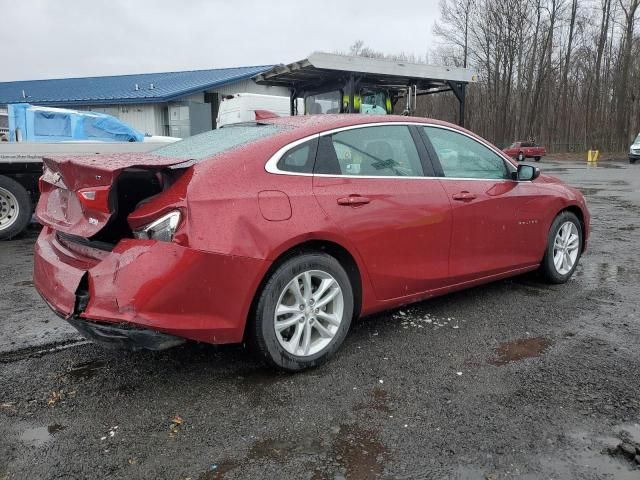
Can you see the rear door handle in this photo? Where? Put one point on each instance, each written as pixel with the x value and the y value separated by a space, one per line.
pixel 464 196
pixel 353 200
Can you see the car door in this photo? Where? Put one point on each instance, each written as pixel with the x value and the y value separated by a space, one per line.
pixel 494 215
pixel 370 182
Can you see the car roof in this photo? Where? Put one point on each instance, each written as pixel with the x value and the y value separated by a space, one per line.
pixel 311 124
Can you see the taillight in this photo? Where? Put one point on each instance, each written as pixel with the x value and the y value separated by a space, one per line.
pixel 95 198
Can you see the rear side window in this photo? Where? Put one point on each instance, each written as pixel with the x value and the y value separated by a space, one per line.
pixel 463 157
pixel 299 159
pixel 211 143
pixel 384 151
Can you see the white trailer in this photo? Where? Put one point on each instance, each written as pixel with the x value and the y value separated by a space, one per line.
pixel 241 107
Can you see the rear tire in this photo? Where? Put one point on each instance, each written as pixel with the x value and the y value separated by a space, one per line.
pixel 15 208
pixel 537 159
pixel 564 248
pixel 281 338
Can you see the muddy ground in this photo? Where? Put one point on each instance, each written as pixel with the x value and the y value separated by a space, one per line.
pixel 516 379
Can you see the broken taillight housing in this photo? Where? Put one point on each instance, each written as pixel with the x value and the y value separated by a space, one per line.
pixel 161 229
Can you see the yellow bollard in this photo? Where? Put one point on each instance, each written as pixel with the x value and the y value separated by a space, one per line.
pixel 592 156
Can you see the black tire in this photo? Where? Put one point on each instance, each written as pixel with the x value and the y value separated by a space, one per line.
pixel 262 333
pixel 21 199
pixel 521 157
pixel 632 161
pixel 537 159
pixel 547 267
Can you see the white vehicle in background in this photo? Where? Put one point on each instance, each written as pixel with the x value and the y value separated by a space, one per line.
pixel 241 107
pixel 634 150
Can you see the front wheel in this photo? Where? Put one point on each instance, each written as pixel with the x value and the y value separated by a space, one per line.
pixel 632 161
pixel 303 313
pixel 537 159
pixel 564 247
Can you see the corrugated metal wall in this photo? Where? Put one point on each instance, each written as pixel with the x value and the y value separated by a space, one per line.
pixel 154 119
pixel 147 118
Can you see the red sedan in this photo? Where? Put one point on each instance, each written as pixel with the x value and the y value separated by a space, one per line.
pixel 281 232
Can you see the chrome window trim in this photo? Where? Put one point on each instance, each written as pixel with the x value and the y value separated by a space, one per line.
pixel 272 164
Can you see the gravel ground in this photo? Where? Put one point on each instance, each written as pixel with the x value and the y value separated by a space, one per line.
pixel 515 379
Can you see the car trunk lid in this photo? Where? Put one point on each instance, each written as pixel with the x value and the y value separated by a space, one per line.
pixel 79 194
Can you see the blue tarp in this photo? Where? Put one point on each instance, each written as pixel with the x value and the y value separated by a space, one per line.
pixel 45 124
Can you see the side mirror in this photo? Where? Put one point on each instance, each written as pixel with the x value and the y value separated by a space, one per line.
pixel 526 173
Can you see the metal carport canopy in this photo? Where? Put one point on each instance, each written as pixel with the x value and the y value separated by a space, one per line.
pixel 321 69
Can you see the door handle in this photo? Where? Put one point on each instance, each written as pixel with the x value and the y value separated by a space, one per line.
pixel 464 196
pixel 353 200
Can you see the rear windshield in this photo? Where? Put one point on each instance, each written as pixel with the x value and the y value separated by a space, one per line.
pixel 211 143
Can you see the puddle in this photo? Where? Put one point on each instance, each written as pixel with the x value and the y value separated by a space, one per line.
pixel 519 350
pixel 357 452
pixel 40 435
pixel 85 370
pixel 379 402
pixel 592 464
pixel 600 272
pixel 24 283
pixel 630 431
pixel 360 452
pixel 217 471
pixel 591 191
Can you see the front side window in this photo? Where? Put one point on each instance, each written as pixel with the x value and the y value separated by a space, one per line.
pixel 387 151
pixel 464 157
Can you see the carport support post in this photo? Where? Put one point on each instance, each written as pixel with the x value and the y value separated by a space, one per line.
pixel 351 93
pixel 459 90
pixel 292 102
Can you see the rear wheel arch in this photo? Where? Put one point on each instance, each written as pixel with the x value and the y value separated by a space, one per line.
pixel 337 251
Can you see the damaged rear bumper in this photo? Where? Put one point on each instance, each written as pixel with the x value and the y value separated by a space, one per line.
pixel 124 338
pixel 144 289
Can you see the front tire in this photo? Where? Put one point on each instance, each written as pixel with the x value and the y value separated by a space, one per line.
pixel 537 159
pixel 15 208
pixel 632 161
pixel 303 313
pixel 564 248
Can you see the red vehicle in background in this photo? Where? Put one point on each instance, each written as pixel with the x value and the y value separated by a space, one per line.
pixel 522 150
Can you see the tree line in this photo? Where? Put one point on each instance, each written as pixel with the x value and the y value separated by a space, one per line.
pixel 563 72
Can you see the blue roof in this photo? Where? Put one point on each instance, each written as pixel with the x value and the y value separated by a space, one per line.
pixel 152 87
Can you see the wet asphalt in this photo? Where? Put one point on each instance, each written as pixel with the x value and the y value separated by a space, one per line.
pixel 516 379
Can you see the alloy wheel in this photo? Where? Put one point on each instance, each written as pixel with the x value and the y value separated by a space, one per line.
pixel 565 248
pixel 308 313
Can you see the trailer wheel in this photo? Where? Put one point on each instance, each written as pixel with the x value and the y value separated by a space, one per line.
pixel 15 208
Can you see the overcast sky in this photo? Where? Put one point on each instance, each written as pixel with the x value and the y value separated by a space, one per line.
pixel 67 38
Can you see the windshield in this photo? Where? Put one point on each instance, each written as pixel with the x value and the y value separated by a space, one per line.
pixel 374 103
pixel 637 140
pixel 213 142
pixel 326 102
